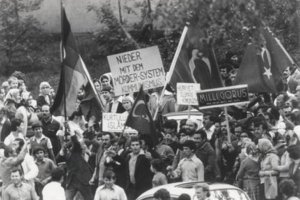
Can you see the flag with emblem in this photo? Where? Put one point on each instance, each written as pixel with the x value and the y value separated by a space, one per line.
pixel 74 75
pixel 194 60
pixel 140 118
pixel 263 65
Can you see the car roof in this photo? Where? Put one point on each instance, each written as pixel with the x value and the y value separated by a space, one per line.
pixel 176 189
pixel 184 113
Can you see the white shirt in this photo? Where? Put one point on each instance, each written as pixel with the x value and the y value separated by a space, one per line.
pixel 75 128
pixel 103 193
pixel 10 138
pixel 53 191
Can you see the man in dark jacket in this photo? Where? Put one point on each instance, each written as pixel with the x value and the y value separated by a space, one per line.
pixel 78 172
pixel 139 174
pixel 207 155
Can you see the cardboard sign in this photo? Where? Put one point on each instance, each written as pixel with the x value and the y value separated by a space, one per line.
pixel 187 93
pixel 114 122
pixel 131 69
pixel 225 96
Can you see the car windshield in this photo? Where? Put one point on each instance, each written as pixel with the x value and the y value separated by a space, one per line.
pixel 221 194
pixel 228 194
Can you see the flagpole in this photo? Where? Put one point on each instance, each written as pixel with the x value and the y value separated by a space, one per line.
pixel 225 108
pixel 171 70
pixel 62 58
pixel 92 84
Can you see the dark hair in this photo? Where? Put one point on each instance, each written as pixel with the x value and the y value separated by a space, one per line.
pixel 190 144
pixel 202 134
pixel 262 123
pixel 171 123
pixel 111 137
pixel 184 196
pixel 157 164
pixel 21 144
pixel 122 141
pixel 37 149
pixel 15 123
pixel 109 174
pixel 17 169
pixel 135 139
pixel 57 174
pixel 287 187
pixel 148 140
pixel 162 194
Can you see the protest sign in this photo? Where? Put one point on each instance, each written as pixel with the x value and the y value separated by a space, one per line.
pixel 114 122
pixel 225 96
pixel 131 69
pixel 187 93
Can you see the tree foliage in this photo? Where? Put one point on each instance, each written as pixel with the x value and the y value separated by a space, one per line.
pixel 20 35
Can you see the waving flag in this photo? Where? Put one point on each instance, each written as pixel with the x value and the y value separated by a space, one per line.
pixel 140 118
pixel 263 65
pixel 74 74
pixel 194 61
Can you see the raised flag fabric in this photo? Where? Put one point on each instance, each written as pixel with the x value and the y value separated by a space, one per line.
pixel 253 72
pixel 140 118
pixel 74 74
pixel 196 61
pixel 263 64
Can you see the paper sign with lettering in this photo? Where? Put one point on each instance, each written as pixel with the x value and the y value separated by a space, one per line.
pixel 114 122
pixel 133 68
pixel 225 96
pixel 187 93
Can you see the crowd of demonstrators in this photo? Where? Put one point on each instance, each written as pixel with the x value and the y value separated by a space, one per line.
pixel 45 157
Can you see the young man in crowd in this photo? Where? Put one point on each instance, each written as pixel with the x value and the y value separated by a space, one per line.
pixel 189 168
pixel 139 174
pixel 18 189
pixel 45 166
pixel 40 140
pixel 109 190
pixel 57 176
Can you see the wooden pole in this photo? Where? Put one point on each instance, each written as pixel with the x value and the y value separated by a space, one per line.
pixel 172 67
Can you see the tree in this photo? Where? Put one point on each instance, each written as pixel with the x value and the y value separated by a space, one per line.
pixel 232 23
pixel 20 36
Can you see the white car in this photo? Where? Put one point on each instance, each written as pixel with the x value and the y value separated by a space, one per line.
pixel 192 114
pixel 218 191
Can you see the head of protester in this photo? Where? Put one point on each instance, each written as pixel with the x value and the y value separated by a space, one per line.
pixel 202 191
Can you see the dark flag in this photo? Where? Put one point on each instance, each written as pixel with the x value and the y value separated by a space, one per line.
pixel 89 105
pixel 140 118
pixel 196 62
pixel 74 74
pixel 263 65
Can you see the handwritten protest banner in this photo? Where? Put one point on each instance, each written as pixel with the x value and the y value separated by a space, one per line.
pixel 131 69
pixel 114 122
pixel 225 96
pixel 187 93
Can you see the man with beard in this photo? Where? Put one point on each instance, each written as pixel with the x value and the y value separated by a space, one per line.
pixel 50 127
pixel 207 155
pixel 191 127
pixel 226 152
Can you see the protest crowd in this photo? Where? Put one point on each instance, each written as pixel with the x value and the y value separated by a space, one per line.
pixel 254 146
pixel 39 151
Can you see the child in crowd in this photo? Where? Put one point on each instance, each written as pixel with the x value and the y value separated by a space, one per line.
pixel 45 166
pixel 159 178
